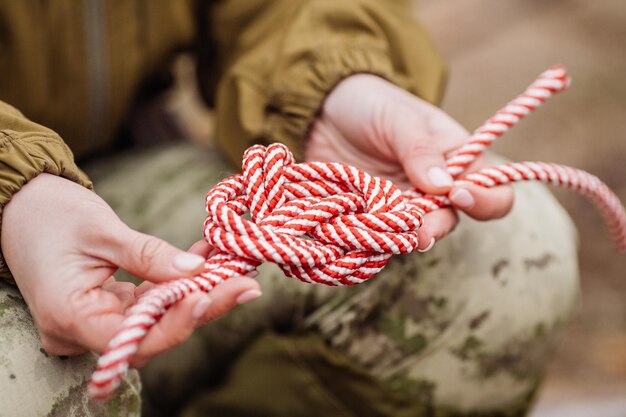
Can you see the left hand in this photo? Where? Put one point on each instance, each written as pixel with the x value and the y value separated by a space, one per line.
pixel 374 125
pixel 63 244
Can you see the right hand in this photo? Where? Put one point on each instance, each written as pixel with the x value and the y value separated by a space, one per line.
pixel 373 124
pixel 63 243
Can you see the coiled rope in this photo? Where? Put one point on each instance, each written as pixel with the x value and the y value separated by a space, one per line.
pixel 334 224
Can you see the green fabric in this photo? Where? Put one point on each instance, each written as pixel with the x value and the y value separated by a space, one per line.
pixel 299 375
pixel 282 57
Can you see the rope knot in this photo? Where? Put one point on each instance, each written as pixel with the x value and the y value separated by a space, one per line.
pixel 320 222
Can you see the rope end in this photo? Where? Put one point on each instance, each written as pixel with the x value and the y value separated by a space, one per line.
pixel 559 72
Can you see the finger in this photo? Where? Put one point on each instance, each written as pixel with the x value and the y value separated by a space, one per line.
pixel 483 203
pixel 421 149
pixel 437 225
pixel 143 287
pixel 151 258
pixel 172 329
pixel 125 291
pixel 425 167
pixel 228 295
pixel 201 248
pixel 182 318
pixel 97 315
pixel 109 279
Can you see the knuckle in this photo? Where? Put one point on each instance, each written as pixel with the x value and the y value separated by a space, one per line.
pixel 214 314
pixel 172 339
pixel 421 148
pixel 147 249
pixel 162 339
pixel 495 203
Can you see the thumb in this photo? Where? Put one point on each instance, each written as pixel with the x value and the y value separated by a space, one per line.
pixel 421 144
pixel 153 259
pixel 425 167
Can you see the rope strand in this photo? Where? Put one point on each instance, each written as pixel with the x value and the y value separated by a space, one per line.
pixel 353 222
pixel 549 83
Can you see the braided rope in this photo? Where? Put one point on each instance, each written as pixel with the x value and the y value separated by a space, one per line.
pixel 334 224
pixel 550 82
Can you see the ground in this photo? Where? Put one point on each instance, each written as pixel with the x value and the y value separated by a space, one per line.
pixel 494 48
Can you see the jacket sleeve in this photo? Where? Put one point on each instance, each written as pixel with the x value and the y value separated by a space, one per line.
pixel 279 59
pixel 26 150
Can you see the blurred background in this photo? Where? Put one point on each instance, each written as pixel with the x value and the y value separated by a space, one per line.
pixel 494 48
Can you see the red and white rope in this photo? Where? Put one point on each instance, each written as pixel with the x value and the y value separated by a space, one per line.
pixel 550 82
pixel 331 223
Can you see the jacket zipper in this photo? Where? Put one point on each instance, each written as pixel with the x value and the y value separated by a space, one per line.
pixel 97 76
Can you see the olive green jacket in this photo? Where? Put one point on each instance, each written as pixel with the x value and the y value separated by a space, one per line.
pixel 77 67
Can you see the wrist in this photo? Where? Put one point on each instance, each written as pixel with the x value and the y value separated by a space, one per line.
pixel 15 215
pixel 34 211
pixel 350 87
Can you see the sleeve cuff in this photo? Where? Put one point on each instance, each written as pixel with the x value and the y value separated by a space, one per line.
pixel 23 156
pixel 299 96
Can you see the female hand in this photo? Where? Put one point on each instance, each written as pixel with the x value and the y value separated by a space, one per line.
pixel 63 243
pixel 370 123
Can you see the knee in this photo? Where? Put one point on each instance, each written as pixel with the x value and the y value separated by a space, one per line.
pixel 50 385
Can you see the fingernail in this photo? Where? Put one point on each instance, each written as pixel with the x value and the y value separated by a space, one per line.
pixel 429 247
pixel 248 296
pixel 187 261
pixel 439 177
pixel 463 199
pixel 201 308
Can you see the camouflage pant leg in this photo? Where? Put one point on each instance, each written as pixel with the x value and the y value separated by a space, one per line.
pixel 35 384
pixel 463 330
pixel 470 325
